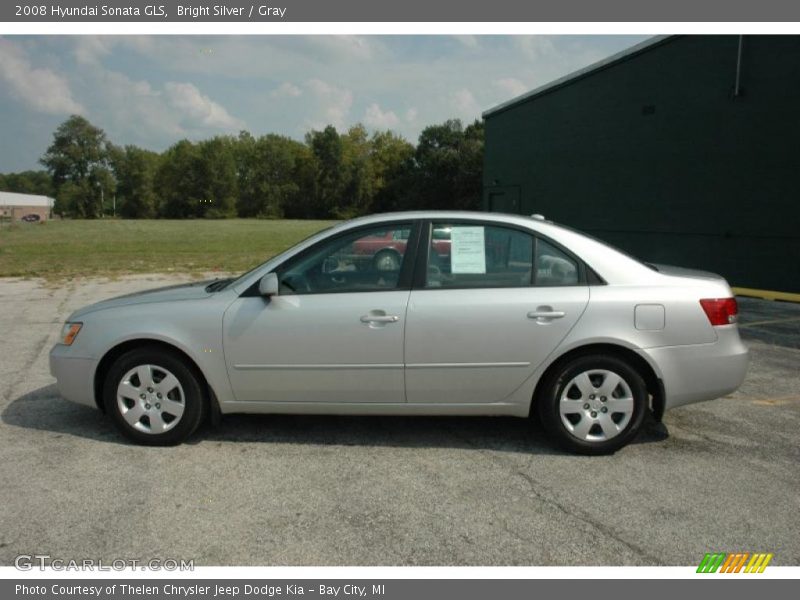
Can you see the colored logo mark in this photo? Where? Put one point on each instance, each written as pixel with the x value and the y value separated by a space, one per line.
pixel 734 562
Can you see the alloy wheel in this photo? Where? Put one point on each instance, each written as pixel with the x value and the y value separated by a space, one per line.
pixel 151 399
pixel 596 405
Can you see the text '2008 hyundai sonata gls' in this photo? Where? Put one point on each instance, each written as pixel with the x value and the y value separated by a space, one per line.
pixel 419 313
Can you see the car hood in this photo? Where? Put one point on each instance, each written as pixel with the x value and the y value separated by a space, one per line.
pixel 170 293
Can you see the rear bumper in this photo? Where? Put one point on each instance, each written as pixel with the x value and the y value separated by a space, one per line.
pixel 701 372
pixel 74 376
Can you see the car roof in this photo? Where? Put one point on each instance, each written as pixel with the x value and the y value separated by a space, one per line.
pixel 522 220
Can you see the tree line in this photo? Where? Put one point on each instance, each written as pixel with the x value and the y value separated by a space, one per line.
pixel 329 175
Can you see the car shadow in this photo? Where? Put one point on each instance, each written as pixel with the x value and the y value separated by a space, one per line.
pixel 44 410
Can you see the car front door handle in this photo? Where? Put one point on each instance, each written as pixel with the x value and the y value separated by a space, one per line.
pixel 380 319
pixel 546 314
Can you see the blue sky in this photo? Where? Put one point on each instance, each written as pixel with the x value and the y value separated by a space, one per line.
pixel 154 90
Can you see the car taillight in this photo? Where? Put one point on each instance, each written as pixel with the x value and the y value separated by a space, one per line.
pixel 720 311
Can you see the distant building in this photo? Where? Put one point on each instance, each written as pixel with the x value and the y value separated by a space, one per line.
pixel 681 150
pixel 15 206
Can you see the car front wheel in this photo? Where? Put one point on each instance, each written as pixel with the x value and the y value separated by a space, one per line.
pixel 593 404
pixel 153 397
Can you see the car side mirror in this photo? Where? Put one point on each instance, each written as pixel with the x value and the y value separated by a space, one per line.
pixel 268 286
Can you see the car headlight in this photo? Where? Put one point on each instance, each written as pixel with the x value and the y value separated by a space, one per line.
pixel 69 333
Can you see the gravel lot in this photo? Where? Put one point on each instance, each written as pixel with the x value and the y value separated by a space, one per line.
pixel 719 476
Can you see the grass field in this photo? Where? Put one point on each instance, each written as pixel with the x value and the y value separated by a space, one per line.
pixel 66 249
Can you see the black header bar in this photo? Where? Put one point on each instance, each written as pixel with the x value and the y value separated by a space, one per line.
pixel 462 11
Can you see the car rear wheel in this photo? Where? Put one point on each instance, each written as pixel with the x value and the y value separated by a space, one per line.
pixel 153 396
pixel 593 404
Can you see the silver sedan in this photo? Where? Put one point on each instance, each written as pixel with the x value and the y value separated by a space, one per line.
pixel 419 313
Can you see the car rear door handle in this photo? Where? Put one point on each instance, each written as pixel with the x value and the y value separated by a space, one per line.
pixel 546 314
pixel 380 319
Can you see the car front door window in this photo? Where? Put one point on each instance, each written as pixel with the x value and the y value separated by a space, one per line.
pixel 365 261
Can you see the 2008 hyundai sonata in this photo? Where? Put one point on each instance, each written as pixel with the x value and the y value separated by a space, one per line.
pixel 419 313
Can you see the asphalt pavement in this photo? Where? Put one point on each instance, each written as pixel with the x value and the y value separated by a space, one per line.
pixel 300 490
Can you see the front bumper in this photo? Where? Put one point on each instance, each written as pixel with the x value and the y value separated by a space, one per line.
pixel 74 375
pixel 701 372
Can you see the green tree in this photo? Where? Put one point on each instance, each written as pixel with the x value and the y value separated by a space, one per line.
pixel 354 173
pixel 302 205
pixel 331 175
pixel 216 177
pixel 358 181
pixel 176 180
pixel 247 205
pixel 198 180
pixel 328 153
pixel 71 199
pixel 469 181
pixel 392 159
pixel 78 155
pixel 268 177
pixel 102 188
pixel 134 171
pixel 27 182
pixel 447 168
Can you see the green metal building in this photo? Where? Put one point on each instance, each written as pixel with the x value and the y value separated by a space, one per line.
pixel 682 150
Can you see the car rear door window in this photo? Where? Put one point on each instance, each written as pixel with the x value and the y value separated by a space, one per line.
pixel 464 255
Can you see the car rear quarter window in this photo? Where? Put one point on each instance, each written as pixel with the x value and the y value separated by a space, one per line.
pixel 554 267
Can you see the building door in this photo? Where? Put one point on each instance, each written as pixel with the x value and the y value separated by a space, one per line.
pixel 504 199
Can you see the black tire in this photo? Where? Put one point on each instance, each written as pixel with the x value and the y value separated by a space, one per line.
pixel 549 401
pixel 191 396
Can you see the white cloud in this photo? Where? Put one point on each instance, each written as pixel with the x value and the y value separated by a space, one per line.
pixel 286 90
pixel 40 89
pixel 510 86
pixel 468 41
pixel 91 49
pixel 353 47
pixel 138 112
pixel 465 104
pixel 534 47
pixel 333 104
pixel 131 110
pixel 411 115
pixel 380 119
pixel 199 107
